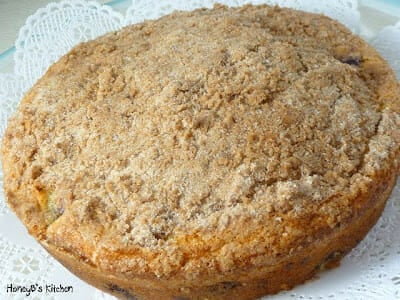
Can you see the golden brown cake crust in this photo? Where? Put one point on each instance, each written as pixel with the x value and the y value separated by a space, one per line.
pixel 206 149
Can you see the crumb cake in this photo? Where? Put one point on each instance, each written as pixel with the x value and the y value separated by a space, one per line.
pixel 224 153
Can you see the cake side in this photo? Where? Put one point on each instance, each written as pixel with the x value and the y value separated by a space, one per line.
pixel 284 274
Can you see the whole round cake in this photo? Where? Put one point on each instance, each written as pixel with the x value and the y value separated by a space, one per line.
pixel 223 153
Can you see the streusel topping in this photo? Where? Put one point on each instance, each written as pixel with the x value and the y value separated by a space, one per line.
pixel 197 121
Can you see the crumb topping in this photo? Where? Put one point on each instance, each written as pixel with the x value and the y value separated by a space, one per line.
pixel 177 130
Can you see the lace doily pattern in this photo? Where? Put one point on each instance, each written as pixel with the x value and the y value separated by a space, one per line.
pixel 370 271
pixel 52 31
pixel 345 11
pixel 23 266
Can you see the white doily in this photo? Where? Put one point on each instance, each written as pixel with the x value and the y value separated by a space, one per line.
pixel 387 42
pixel 371 271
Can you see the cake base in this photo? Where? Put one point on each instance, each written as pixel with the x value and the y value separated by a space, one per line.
pixel 289 272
